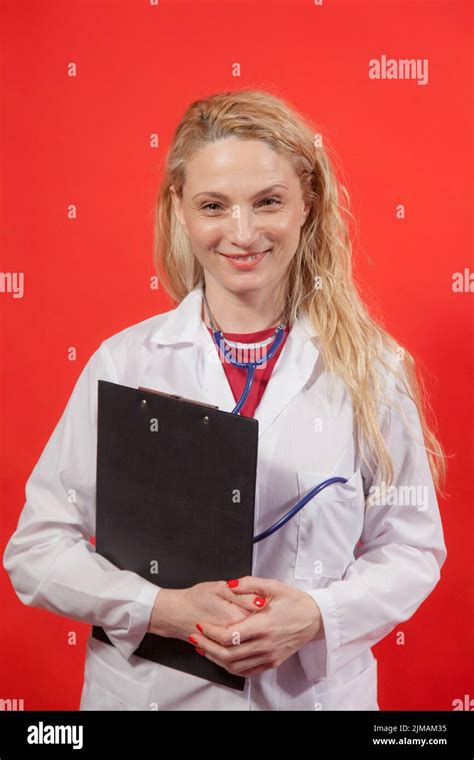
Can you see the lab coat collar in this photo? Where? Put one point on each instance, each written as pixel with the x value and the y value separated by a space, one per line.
pixel 294 366
pixel 184 324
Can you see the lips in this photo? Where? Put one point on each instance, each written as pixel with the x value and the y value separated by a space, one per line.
pixel 244 256
pixel 246 262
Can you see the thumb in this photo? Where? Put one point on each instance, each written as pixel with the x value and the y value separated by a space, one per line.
pixel 251 584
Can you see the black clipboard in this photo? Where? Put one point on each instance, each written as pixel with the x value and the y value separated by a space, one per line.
pixel 175 486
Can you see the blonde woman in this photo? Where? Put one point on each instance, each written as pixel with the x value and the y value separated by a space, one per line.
pixel 253 246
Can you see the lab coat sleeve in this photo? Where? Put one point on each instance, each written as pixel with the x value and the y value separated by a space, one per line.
pixel 51 562
pixel 402 553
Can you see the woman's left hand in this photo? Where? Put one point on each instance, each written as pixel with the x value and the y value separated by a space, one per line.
pixel 289 619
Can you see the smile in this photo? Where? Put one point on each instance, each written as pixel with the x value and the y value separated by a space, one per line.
pixel 248 261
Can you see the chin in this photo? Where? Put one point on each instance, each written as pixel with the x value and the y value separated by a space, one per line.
pixel 244 284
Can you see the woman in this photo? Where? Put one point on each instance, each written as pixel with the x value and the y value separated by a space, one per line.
pixel 251 240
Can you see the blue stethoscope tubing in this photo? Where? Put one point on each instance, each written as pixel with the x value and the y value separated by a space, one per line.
pixel 250 367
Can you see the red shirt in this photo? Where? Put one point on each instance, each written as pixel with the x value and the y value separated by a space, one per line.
pixel 237 376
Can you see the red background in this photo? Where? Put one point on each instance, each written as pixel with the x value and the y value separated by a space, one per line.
pixel 85 141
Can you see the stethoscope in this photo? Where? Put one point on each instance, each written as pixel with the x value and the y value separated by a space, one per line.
pixel 251 367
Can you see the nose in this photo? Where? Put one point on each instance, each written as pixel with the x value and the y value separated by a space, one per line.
pixel 243 230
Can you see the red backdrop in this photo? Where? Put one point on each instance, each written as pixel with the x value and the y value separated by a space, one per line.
pixel 85 140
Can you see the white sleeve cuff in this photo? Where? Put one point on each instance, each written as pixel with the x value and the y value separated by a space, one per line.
pixel 127 641
pixel 319 657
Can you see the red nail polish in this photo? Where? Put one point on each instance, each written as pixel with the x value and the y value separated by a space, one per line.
pixel 233 582
pixel 200 651
pixel 258 601
pixel 199 628
pixel 192 639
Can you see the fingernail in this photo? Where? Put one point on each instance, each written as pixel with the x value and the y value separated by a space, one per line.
pixel 200 651
pixel 192 639
pixel 258 601
pixel 199 628
pixel 233 582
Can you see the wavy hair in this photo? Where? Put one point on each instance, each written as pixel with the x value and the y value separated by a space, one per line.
pixel 355 347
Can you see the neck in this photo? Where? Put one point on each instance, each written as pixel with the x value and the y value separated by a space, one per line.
pixel 243 312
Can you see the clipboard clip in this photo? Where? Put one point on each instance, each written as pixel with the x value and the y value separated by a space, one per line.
pixel 177 398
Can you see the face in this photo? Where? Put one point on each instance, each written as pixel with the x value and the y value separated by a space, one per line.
pixel 240 198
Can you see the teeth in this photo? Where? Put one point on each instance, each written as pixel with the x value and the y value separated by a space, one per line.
pixel 246 258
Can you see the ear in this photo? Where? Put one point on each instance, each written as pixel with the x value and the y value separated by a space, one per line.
pixel 305 213
pixel 177 205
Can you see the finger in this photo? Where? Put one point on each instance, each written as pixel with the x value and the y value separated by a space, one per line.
pixel 244 660
pixel 236 651
pixel 254 671
pixel 226 636
pixel 233 634
pixel 252 661
pixel 248 601
pixel 251 584
pixel 213 650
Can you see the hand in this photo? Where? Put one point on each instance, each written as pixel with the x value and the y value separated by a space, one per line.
pixel 176 611
pixel 261 642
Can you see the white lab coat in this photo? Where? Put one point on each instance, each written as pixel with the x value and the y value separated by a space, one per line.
pixel 368 567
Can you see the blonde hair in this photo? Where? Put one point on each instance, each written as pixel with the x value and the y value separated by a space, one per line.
pixel 354 346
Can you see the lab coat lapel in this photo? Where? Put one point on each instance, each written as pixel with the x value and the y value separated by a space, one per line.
pixel 212 378
pixel 290 373
pixel 292 370
pixel 198 374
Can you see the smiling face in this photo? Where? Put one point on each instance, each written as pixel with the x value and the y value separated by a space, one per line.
pixel 240 197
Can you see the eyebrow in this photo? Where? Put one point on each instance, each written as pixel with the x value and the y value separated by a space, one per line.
pixel 225 198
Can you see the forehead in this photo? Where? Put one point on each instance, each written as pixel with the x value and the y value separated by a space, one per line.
pixel 230 163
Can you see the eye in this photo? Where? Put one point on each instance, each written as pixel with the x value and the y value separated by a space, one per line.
pixel 205 207
pixel 273 200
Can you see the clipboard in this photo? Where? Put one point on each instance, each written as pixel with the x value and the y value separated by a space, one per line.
pixel 175 501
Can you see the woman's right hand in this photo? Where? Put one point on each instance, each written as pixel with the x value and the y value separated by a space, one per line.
pixel 176 611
